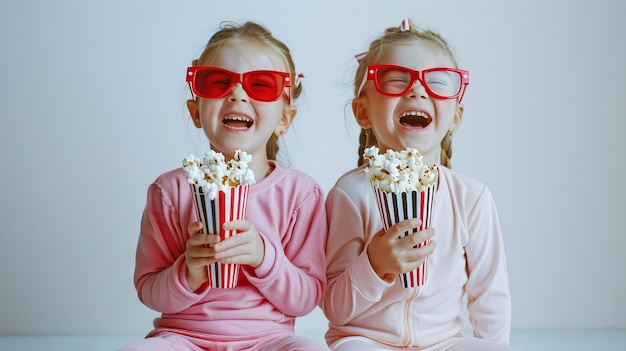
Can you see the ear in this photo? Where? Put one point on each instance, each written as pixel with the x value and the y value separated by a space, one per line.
pixel 361 114
pixel 458 117
pixel 289 113
pixel 194 111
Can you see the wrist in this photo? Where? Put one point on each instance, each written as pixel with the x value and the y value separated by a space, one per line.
pixel 387 277
pixel 194 282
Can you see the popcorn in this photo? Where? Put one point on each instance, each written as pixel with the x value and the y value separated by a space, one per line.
pixel 398 171
pixel 404 187
pixel 212 173
pixel 220 194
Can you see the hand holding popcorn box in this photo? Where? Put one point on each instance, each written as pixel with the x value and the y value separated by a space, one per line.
pixel 220 191
pixel 404 188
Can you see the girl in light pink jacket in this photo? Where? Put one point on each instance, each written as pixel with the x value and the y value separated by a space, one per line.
pixel 408 95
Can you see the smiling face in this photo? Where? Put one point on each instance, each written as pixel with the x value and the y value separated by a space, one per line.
pixel 415 119
pixel 237 121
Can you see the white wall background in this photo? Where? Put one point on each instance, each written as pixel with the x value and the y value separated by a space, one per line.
pixel 92 110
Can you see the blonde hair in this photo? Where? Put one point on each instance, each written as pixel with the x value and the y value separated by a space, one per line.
pixel 394 36
pixel 230 31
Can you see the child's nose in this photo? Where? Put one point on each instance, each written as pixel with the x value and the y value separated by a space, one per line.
pixel 418 90
pixel 237 93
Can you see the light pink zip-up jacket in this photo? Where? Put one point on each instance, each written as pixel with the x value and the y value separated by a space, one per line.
pixel 287 209
pixel 468 258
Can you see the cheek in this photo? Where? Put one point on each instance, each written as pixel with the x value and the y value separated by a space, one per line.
pixel 269 113
pixel 445 112
pixel 381 108
pixel 207 108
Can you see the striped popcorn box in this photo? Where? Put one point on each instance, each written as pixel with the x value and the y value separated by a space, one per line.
pixel 229 205
pixel 396 207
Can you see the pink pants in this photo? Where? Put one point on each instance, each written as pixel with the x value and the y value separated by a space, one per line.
pixel 176 342
pixel 357 343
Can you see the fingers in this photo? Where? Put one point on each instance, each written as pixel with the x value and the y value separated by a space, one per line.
pixel 417 239
pixel 392 252
pixel 199 251
pixel 418 253
pixel 246 247
pixel 398 230
pixel 403 226
pixel 202 240
pixel 198 255
pixel 194 228
pixel 240 226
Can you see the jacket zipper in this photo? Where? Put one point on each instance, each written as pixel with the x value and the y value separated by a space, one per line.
pixel 406 338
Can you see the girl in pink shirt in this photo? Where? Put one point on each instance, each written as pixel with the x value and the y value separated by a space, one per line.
pixel 243 87
pixel 408 95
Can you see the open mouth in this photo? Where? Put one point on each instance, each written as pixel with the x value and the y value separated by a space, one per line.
pixel 415 119
pixel 237 122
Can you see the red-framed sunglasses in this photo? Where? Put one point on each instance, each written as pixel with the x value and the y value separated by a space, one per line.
pixel 214 82
pixel 440 82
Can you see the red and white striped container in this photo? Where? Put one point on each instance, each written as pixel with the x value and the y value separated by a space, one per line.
pixel 395 208
pixel 229 205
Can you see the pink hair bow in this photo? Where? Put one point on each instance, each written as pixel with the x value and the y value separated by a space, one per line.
pixel 405 26
pixel 299 76
pixel 361 56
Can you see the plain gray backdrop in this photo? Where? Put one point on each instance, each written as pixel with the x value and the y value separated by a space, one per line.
pixel 93 109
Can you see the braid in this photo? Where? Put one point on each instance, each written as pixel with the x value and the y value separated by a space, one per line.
pixel 271 148
pixel 446 150
pixel 362 143
pixel 366 139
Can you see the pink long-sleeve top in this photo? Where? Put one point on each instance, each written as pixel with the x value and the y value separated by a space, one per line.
pixel 468 259
pixel 287 209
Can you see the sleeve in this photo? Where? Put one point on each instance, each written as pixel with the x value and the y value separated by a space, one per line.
pixel 489 302
pixel 353 286
pixel 295 279
pixel 160 270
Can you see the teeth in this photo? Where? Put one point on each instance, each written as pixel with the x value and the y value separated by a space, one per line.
pixel 237 118
pixel 415 113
